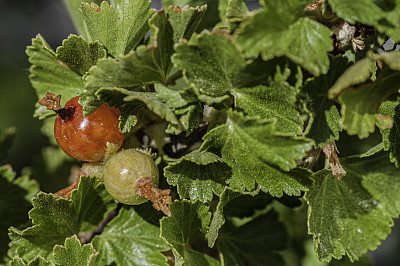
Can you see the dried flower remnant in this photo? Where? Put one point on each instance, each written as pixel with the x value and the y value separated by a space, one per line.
pixel 344 33
pixel 160 198
pixel 330 151
pixel 53 103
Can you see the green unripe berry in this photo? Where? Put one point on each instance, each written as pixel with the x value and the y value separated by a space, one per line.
pixel 123 171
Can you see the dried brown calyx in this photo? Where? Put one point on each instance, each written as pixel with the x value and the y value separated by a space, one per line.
pixel 53 103
pixel 160 198
pixel 330 152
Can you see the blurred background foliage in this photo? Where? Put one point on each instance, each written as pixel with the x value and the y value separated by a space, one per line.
pixel 21 20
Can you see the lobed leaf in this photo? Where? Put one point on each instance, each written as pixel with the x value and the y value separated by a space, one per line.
pixel 256 153
pixel 80 55
pixel 54 219
pixel 49 73
pixel 119 27
pixel 268 103
pixel 212 63
pixel 187 222
pixel 73 253
pixel 351 216
pixel 198 175
pixel 37 261
pixel 130 239
pixel 279 30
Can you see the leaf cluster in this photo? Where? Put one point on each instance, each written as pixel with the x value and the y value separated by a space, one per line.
pixel 239 106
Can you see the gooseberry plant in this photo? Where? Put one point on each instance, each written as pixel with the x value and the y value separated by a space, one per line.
pixel 246 112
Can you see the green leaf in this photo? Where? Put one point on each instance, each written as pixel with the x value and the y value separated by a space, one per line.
pixel 211 62
pixel 194 258
pixel 351 216
pixel 361 71
pixel 278 30
pixel 254 243
pixel 6 140
pixel 54 219
pixel 37 261
pixel 187 222
pixel 76 17
pixel 50 74
pixel 255 152
pixel 130 240
pixel 175 98
pixel 383 15
pixel 197 175
pixel 185 20
pixel 80 55
pixel 15 201
pixel 391 137
pixel 73 253
pixel 364 11
pixel 360 106
pixel 382 185
pixel 268 103
pixel 325 119
pixel 130 102
pixel 235 204
pixel 119 27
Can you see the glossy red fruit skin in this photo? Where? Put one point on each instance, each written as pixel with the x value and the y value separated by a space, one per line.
pixel 85 138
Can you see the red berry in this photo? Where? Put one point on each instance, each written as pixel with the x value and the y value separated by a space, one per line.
pixel 85 138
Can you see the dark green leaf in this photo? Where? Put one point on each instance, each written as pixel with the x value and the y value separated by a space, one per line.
pixel 194 258
pixel 279 30
pixel 187 222
pixel 212 63
pixel 6 140
pixel 344 216
pixel 391 137
pixel 197 175
pixel 237 204
pixel 130 240
pixel 54 219
pixel 73 253
pixel 119 27
pixel 15 201
pixel 254 243
pixel 325 118
pixel 255 152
